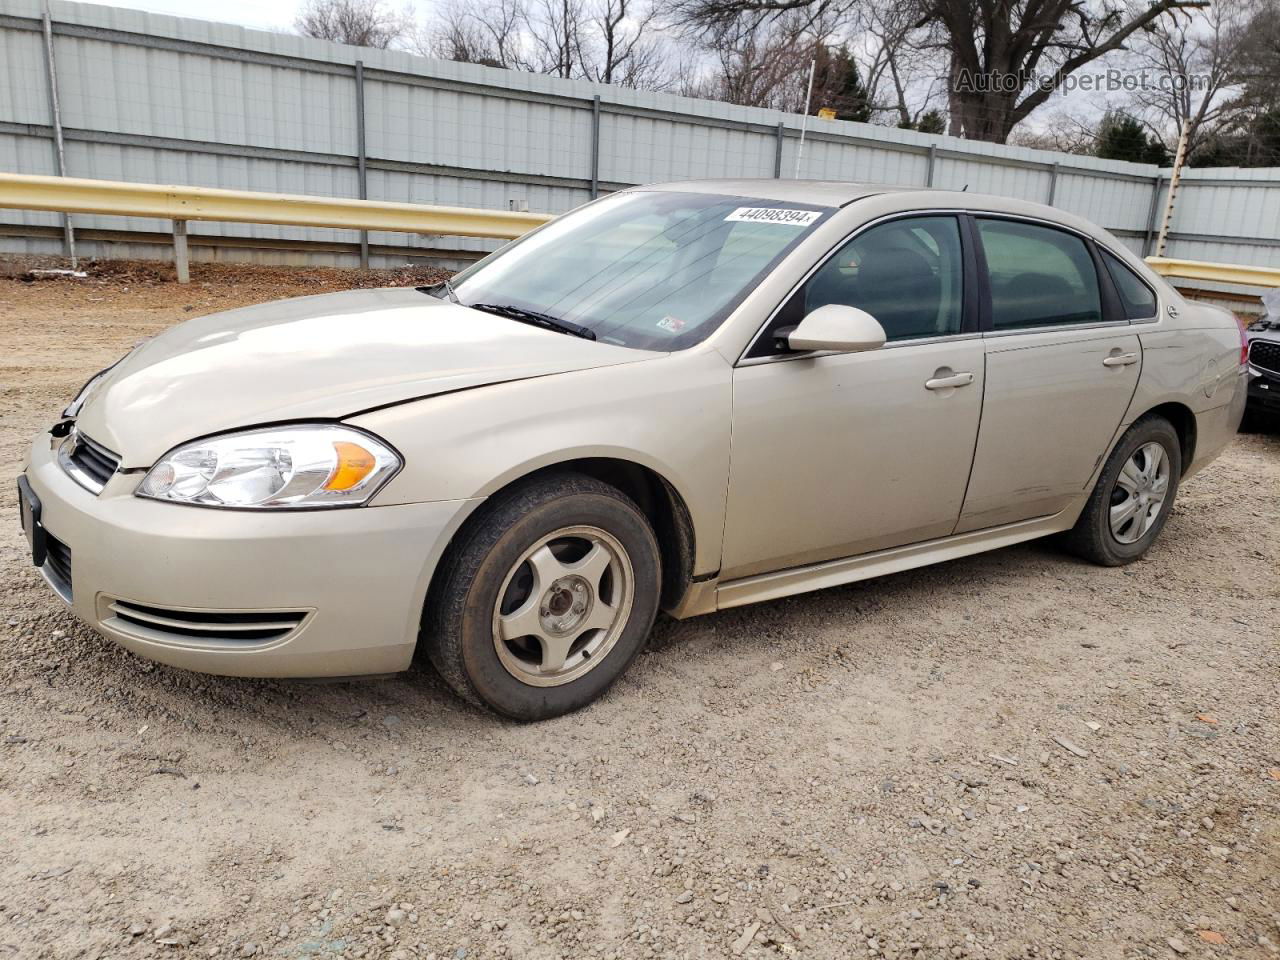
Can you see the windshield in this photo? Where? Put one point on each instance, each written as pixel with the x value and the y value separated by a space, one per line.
pixel 651 270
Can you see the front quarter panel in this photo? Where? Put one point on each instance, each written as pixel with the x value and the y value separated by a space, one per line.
pixel 671 414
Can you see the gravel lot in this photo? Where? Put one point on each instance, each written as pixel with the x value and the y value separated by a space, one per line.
pixel 1013 755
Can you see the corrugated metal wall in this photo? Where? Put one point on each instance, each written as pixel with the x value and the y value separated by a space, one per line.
pixel 158 99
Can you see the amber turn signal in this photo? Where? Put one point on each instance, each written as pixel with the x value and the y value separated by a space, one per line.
pixel 354 464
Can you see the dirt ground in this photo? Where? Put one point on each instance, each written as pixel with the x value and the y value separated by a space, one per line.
pixel 877 770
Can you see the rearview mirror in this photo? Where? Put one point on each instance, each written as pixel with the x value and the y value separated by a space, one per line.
pixel 838 328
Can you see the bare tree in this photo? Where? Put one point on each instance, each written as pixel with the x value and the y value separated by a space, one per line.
pixel 759 62
pixel 620 46
pixel 360 23
pixel 1252 136
pixel 1007 56
pixel 609 41
pixel 488 34
pixel 1196 65
pixel 899 57
pixel 1068 132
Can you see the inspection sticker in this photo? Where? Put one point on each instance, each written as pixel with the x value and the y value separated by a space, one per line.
pixel 782 215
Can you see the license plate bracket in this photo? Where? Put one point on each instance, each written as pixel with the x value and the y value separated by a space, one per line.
pixel 29 509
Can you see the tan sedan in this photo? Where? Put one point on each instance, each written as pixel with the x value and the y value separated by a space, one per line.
pixel 684 397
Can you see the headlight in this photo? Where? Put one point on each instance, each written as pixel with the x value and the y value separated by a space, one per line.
pixel 308 465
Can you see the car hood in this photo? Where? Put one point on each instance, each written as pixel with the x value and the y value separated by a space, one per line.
pixel 316 358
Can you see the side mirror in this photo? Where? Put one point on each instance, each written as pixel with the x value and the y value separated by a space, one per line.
pixel 838 328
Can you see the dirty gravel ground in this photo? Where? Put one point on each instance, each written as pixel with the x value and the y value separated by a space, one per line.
pixel 865 771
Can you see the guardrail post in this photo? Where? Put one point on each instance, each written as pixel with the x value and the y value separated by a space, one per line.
pixel 362 170
pixel 180 259
pixel 68 229
pixel 595 146
pixel 777 151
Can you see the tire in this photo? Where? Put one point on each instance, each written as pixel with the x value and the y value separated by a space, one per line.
pixel 564 553
pixel 1094 537
pixel 1258 421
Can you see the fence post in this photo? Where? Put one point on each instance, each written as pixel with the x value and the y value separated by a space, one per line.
pixel 1053 183
pixel 362 170
pixel 1151 214
pixel 181 261
pixel 777 152
pixel 595 146
pixel 68 230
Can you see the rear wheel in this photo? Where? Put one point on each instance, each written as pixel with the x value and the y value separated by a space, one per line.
pixel 546 598
pixel 1134 494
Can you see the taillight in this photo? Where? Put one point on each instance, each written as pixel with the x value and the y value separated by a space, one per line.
pixel 1244 343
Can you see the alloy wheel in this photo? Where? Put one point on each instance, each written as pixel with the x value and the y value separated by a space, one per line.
pixel 563 605
pixel 1139 493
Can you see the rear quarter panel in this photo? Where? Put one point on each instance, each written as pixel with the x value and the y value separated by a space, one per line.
pixel 1193 359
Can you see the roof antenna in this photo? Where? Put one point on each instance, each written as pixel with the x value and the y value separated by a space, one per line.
pixel 964 188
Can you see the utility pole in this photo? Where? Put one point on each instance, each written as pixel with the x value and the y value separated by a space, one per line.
pixel 804 122
pixel 1178 160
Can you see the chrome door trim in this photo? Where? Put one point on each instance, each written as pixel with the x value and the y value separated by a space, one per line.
pixel 1059 328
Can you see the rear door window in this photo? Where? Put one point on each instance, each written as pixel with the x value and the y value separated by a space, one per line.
pixel 1040 277
pixel 1138 299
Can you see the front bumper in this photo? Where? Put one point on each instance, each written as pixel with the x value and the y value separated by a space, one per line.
pixel 1264 390
pixel 355 578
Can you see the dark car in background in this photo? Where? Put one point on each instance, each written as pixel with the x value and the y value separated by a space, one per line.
pixel 1263 337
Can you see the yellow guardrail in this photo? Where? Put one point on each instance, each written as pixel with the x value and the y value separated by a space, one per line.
pixel 182 204
pixel 67 195
pixel 1219 272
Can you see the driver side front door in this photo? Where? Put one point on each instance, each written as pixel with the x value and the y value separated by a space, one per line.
pixel 843 454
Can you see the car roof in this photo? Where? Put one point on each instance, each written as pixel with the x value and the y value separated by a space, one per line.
pixel 829 193
pixel 840 193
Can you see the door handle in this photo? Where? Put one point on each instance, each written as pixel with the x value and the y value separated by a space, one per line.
pixel 1120 360
pixel 955 380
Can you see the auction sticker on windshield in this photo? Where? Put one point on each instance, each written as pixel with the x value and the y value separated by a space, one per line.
pixel 791 218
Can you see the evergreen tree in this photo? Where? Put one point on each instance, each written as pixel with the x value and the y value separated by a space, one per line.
pixel 837 85
pixel 1121 137
pixel 931 121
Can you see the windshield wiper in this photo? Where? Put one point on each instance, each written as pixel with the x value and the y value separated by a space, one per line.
pixel 536 319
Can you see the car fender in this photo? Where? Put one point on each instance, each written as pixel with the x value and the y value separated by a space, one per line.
pixel 670 415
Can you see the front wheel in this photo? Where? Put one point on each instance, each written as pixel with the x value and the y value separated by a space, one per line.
pixel 546 598
pixel 1133 497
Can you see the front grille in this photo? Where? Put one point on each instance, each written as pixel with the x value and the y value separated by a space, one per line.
pixel 57 565
pixel 1265 355
pixel 163 624
pixel 89 464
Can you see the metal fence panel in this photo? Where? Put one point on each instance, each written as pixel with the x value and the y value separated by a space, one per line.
pixel 154 98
